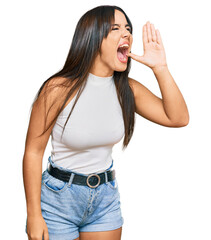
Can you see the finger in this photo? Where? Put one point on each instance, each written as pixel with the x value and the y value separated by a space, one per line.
pixel 144 35
pixel 154 38
pixel 135 57
pixel 46 236
pixel 159 40
pixel 149 35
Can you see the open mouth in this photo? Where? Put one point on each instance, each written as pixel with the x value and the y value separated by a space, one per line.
pixel 121 53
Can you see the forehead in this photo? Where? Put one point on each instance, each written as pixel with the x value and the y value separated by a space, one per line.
pixel 119 17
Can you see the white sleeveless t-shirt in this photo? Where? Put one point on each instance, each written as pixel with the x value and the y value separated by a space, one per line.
pixel 95 125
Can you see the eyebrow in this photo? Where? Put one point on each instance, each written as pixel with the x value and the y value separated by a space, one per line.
pixel 126 25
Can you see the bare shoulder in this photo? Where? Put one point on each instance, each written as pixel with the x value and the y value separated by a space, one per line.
pixel 43 114
pixel 58 89
pixel 58 81
pixel 55 85
pixel 55 90
pixel 133 84
pixel 137 88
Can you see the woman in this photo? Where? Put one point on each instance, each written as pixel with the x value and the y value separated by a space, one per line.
pixel 77 195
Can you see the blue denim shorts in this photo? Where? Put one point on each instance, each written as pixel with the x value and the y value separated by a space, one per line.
pixel 69 208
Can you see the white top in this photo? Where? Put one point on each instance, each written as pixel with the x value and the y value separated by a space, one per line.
pixel 95 125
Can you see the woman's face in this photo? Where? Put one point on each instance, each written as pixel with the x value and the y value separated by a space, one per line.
pixel 111 59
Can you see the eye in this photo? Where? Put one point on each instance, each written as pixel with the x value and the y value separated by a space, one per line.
pixel 129 29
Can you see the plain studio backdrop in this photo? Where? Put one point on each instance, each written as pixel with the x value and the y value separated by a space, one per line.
pixel 164 174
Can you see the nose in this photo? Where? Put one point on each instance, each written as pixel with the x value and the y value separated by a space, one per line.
pixel 125 33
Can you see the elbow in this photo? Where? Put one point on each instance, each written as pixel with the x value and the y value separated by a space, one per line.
pixel 182 122
pixel 186 120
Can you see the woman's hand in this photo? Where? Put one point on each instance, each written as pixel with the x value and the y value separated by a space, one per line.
pixel 37 228
pixel 154 54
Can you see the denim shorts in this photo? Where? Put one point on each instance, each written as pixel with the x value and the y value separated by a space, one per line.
pixel 69 208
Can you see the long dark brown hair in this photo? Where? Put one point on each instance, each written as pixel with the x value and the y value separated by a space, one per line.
pixel 92 27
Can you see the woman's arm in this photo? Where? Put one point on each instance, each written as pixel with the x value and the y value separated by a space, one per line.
pixel 171 110
pixel 33 155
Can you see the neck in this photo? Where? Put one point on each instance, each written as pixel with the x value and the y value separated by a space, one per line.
pixel 100 70
pixel 101 74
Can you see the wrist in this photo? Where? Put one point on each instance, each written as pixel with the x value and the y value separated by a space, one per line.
pixel 34 211
pixel 160 68
pixel 34 214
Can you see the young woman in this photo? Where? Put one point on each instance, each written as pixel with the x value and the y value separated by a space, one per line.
pixel 87 107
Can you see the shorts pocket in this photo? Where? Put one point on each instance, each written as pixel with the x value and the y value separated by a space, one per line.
pixel 52 183
pixel 113 184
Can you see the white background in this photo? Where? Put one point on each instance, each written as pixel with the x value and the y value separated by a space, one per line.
pixel 164 174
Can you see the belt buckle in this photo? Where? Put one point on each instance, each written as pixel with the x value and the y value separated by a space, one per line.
pixel 91 175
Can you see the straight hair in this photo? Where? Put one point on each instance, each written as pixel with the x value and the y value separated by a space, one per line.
pixel 90 31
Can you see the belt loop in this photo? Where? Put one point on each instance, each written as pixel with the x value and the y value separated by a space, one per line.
pixel 106 177
pixel 110 165
pixel 71 179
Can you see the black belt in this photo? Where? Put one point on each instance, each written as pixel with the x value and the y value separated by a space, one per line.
pixel 92 180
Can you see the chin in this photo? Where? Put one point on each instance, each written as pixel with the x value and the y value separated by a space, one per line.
pixel 121 69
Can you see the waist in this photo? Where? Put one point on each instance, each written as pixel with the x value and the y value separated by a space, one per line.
pixel 92 180
pixel 83 167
